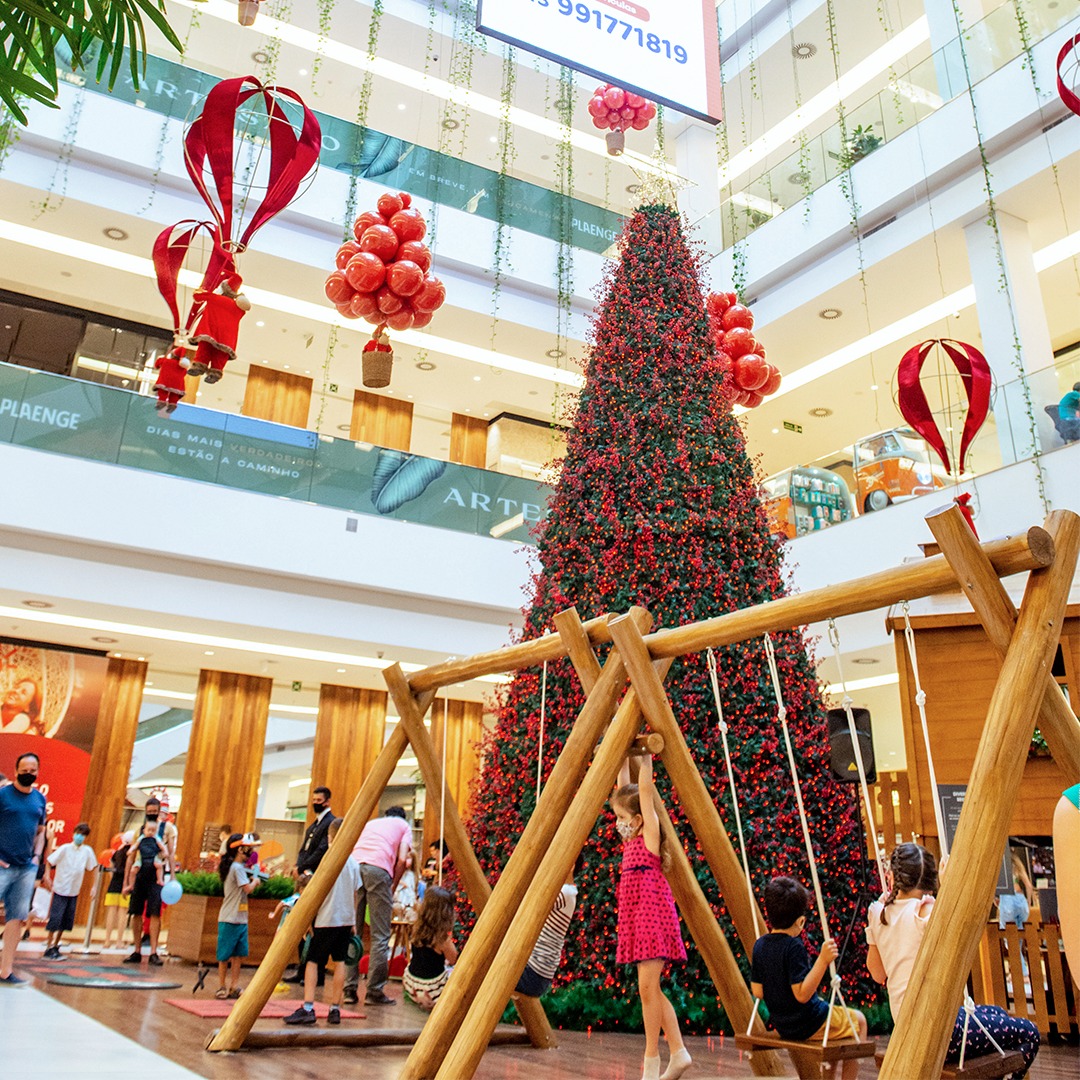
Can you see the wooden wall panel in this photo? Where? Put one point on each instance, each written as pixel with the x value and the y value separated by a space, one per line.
pixel 464 731
pixel 280 396
pixel 224 759
pixel 349 734
pixel 958 669
pixel 381 420
pixel 110 757
pixel 468 440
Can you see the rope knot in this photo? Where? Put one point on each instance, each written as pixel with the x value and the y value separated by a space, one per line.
pixel 781 714
pixel 920 698
pixel 835 981
pixel 846 703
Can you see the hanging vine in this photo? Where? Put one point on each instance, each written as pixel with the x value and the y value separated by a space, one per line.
pixel 331 348
pixel 1003 277
pixel 325 10
pixel 806 180
pixel 62 169
pixel 507 156
pixel 362 107
pixel 564 220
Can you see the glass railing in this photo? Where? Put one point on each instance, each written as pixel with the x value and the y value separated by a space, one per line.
pixel 171 89
pixel 913 94
pixel 62 415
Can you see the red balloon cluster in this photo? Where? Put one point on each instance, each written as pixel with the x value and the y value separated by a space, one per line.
pixel 731 323
pixel 383 274
pixel 614 109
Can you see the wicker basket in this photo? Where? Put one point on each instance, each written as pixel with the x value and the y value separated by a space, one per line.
pixel 377 365
pixel 616 142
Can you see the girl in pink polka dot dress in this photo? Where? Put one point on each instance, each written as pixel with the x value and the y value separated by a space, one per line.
pixel 648 921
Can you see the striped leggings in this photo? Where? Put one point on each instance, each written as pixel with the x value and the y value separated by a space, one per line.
pixel 1009 1032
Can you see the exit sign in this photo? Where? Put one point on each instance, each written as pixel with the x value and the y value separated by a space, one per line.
pixel 789 426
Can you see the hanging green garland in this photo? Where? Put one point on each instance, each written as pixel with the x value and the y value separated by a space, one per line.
pixel 507 156
pixel 62 169
pixel 326 20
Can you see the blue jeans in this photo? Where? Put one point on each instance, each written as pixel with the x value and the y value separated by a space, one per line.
pixel 375 895
pixel 17 890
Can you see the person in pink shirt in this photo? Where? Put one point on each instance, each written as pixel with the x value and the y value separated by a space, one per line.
pixel 381 852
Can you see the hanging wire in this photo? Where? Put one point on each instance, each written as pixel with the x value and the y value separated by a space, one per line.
pixel 710 660
pixel 540 747
pixel 781 715
pixel 442 801
pixel 846 703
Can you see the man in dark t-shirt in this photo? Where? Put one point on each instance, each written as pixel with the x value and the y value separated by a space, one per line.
pixel 22 842
pixel 143 879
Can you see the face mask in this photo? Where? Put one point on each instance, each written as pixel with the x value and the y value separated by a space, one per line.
pixel 318 807
pixel 151 817
pixel 626 829
pixel 77 839
pixel 26 779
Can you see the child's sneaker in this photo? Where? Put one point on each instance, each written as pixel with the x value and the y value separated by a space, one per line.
pixel 335 1015
pixel 301 1016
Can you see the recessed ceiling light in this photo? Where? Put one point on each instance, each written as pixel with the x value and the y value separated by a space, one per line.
pixel 425 365
pixel 285 366
pixel 633 189
pixel 821 411
pixel 865 660
pixel 65 273
pixel 344 427
pixel 148 683
pixel 302 71
pixel 208 652
pixel 260 57
pixel 260 323
pixel 555 354
pixel 114 233
pixel 533 393
pixel 476 378
pixel 873 386
pixel 402 106
pixel 804 50
pixel 776 431
pixel 830 313
pixel 106 640
pixel 142 658
pixel 37 603
pixel 564 103
pixel 799 178
pixel 341 671
pixel 450 125
pixel 493 138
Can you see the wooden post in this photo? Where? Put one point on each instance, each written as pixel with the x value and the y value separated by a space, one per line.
pixel 918 1044
pixel 578 648
pixel 468 866
pixel 700 809
pixel 282 951
pixel 713 946
pixel 998 614
pixel 471 1037
pixel 492 924
pixel 464 722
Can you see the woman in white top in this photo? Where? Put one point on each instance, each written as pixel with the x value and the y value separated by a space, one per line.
pixel 894 933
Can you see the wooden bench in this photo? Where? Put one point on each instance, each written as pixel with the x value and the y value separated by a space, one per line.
pixel 809 1059
pixel 976 1068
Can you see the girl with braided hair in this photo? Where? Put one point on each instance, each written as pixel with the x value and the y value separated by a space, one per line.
pixel 894 933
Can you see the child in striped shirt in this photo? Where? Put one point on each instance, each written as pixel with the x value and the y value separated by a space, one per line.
pixel 544 961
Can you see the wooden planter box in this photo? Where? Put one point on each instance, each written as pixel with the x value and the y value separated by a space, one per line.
pixel 193 925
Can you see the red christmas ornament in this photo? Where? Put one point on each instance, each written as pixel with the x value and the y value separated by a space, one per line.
pixel 737 315
pixel 389 204
pixel 365 272
pixel 404 278
pixel 380 240
pixel 738 342
pixel 430 296
pixel 408 225
pixel 365 221
pixel 750 371
pixel 337 288
pixel 731 325
pixel 415 251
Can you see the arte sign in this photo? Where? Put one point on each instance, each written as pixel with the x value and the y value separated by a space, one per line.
pixel 666 50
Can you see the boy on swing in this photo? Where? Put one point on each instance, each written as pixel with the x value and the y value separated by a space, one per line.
pixel 784 978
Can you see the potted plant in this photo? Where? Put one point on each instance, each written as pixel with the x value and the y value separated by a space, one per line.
pixel 193 921
pixel 860 142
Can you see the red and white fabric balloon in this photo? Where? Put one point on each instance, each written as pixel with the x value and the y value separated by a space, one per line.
pixel 752 377
pixel 614 109
pixel 383 275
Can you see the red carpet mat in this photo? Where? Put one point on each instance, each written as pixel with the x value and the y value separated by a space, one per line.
pixel 215 1009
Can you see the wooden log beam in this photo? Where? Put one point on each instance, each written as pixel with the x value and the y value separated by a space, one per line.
pixel 696 800
pixel 282 951
pixel 1012 555
pixel 997 612
pixel 471 1039
pixel 723 968
pixel 918 1044
pixel 479 954
pixel 578 647
pixel 291 1038
pixel 468 866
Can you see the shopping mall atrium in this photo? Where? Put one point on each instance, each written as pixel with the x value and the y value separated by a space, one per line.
pixel 828 249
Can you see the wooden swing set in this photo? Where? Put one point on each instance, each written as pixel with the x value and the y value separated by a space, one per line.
pixel 628 689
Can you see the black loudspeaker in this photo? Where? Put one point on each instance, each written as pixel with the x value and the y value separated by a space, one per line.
pixel 842 753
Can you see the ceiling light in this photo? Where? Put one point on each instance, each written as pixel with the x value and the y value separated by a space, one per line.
pixel 113 233
pixel 37 603
pixel 208 652
pixel 142 659
pixel 260 57
pixel 873 386
pixel 260 323
pixel 493 138
pixel 310 311
pixel 776 431
pixel 450 124
pixel 302 71
pixel 555 354
pixel 829 313
pixel 799 178
pixel 344 427
pixel 865 660
pixel 821 411
pixel 476 378
pixel 402 106
pixel 804 50
pixel 341 671
pixel 303 782
pixel 425 365
pixel 105 640
pixel 862 684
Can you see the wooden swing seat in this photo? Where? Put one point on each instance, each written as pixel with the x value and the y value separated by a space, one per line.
pixel 808 1057
pixel 976 1068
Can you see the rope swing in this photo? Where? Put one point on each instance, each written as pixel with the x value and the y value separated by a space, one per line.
pixel 540 746
pixel 442 801
pixel 781 715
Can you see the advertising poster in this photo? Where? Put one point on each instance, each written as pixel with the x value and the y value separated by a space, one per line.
pixel 49 701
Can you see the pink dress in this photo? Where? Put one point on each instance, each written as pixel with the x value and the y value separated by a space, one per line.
pixel 648 919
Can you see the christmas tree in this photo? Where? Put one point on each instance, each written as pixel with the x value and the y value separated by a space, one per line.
pixel 657 505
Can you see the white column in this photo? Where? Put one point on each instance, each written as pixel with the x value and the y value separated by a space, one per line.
pixel 997 304
pixel 274 798
pixel 695 160
pixel 948 64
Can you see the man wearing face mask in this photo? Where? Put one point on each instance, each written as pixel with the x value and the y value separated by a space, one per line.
pixel 311 853
pixel 22 841
pixel 166 830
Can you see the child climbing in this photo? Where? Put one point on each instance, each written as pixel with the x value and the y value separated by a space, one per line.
pixel 894 933
pixel 783 977
pixel 433 950
pixel 546 956
pixel 648 920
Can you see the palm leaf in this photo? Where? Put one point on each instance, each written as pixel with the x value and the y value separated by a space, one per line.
pixel 399 478
pixel 380 154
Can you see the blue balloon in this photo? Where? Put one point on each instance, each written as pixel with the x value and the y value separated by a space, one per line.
pixel 171 891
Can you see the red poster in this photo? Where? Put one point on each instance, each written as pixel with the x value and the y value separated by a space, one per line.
pixel 49 701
